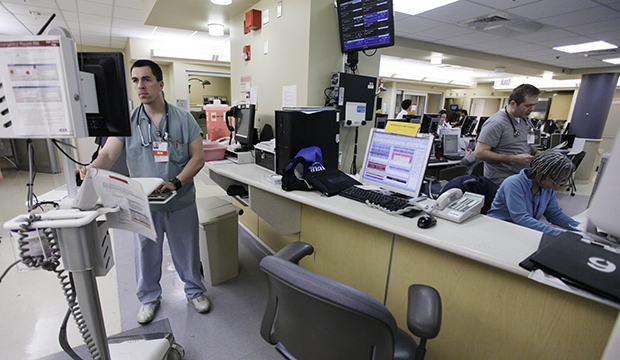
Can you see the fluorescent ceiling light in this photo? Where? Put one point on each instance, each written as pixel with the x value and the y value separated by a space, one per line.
pixel 615 61
pixel 591 46
pixel 222 2
pixel 436 80
pixel 436 59
pixel 414 7
pixel 216 29
pixel 547 75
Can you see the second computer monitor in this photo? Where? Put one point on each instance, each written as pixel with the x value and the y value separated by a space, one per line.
pixel 244 126
pixel 396 162
pixel 425 125
pixel 450 144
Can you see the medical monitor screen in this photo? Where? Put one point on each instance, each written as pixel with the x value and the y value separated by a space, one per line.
pixel 396 162
pixel 244 126
pixel 365 24
pixel 450 144
pixel 112 116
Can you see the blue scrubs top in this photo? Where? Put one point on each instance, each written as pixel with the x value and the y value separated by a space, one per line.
pixel 514 202
pixel 182 130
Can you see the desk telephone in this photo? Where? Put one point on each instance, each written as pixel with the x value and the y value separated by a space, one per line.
pixel 455 206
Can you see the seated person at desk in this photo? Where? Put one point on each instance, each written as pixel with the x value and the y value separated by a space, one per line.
pixel 406 107
pixel 459 122
pixel 525 197
pixel 443 124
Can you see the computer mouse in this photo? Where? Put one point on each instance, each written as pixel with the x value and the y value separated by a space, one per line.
pixel 426 221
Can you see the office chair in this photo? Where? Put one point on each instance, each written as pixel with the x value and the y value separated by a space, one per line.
pixel 478 168
pixel 571 180
pixel 450 173
pixel 311 317
pixel 476 184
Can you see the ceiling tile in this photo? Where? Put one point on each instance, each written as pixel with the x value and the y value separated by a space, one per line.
pixel 597 27
pixel 456 12
pixel 474 38
pixel 503 5
pixel 443 32
pixel 581 17
pixel 413 24
pixel 94 8
pixel 547 8
pixel 541 36
pixel 128 14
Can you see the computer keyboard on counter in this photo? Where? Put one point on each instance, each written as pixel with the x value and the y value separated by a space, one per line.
pixel 388 203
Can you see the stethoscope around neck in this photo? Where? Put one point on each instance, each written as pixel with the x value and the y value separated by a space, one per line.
pixel 165 135
pixel 516 133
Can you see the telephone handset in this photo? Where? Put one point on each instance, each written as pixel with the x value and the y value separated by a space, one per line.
pixel 448 197
pixel 454 205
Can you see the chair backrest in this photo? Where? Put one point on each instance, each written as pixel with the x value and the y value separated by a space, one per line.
pixel 578 158
pixel 452 172
pixel 314 317
pixel 477 169
pixel 475 184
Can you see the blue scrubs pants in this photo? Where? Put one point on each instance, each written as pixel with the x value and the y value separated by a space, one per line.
pixel 181 229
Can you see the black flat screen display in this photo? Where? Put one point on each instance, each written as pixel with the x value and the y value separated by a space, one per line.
pixel 365 24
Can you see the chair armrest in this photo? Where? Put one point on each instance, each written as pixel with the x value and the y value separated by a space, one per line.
pixel 424 311
pixel 295 251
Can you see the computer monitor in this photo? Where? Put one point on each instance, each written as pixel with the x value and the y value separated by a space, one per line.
pixel 552 127
pixel 426 122
pixel 415 119
pixel 396 162
pixel 469 124
pixel 557 139
pixel 450 144
pixel 381 124
pixel 443 132
pixel 454 107
pixel 433 128
pixel 244 126
pixel 480 123
pixel 112 116
pixel 365 25
pixel 602 211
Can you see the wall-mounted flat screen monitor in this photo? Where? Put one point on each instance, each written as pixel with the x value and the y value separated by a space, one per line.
pixel 112 115
pixel 396 162
pixel 365 24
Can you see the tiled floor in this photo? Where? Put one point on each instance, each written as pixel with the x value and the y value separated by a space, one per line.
pixel 33 304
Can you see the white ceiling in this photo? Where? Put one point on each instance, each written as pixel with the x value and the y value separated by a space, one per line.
pixel 109 23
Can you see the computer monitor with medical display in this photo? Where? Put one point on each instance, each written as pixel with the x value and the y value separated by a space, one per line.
pixel 244 126
pixel 426 122
pixel 396 162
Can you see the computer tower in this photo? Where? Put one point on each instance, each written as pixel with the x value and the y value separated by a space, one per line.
pixel 296 130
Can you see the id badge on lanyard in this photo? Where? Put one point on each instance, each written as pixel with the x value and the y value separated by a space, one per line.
pixel 531 138
pixel 160 151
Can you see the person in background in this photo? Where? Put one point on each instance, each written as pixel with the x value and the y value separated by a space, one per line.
pixel 406 106
pixel 443 124
pixel 505 142
pixel 459 122
pixel 166 143
pixel 526 197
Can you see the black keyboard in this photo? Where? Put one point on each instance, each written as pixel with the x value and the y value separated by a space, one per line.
pixel 374 198
pixel 453 157
pixel 435 160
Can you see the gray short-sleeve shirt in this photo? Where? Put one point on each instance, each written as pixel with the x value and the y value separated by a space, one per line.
pixel 182 130
pixel 498 133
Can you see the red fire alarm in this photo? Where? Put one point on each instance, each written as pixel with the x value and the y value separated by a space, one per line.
pixel 252 21
pixel 247 53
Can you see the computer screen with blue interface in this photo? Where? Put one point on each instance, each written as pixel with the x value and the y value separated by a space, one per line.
pixel 396 162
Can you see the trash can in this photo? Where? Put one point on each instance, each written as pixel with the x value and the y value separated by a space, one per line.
pixel 219 239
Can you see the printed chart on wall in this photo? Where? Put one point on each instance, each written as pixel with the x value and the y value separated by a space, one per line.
pixel 246 89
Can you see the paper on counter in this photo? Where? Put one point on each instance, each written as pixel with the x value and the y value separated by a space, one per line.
pixel 118 190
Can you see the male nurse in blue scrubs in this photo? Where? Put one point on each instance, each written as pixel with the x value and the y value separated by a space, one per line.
pixel 166 142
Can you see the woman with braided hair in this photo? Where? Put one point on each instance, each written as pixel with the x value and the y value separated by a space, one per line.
pixel 529 195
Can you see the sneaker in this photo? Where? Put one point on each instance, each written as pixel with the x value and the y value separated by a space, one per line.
pixel 147 313
pixel 201 303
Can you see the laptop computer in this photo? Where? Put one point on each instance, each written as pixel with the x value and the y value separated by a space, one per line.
pixel 589 267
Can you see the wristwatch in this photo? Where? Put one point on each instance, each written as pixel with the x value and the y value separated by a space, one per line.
pixel 176 182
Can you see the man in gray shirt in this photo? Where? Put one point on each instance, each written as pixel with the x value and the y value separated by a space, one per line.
pixel 506 138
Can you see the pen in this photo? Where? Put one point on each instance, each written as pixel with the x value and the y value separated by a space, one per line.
pixel 177 145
